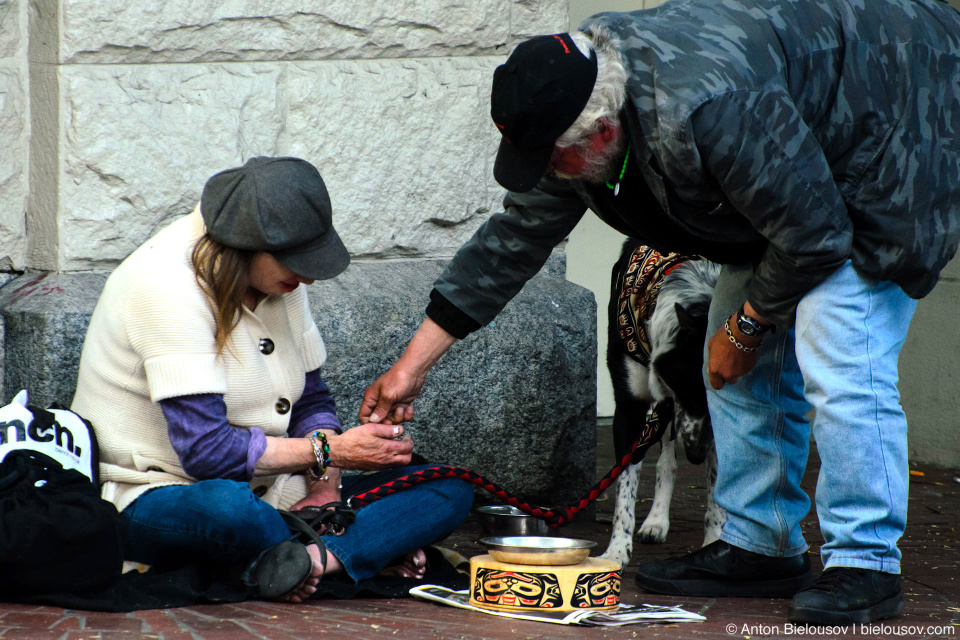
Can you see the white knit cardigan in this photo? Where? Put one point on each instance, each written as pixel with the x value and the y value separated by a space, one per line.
pixel 151 337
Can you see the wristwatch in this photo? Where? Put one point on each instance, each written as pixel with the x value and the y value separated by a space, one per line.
pixel 750 327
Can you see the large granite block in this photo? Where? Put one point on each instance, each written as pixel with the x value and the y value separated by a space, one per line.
pixel 5 278
pixel 45 318
pixel 515 401
pixel 146 31
pixel 405 146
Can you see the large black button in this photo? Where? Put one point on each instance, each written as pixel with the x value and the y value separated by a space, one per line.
pixel 266 346
pixel 283 405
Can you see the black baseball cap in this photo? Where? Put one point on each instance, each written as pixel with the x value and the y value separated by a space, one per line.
pixel 537 94
pixel 277 205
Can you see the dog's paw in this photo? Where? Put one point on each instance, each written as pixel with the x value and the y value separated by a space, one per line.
pixel 713 524
pixel 619 556
pixel 653 533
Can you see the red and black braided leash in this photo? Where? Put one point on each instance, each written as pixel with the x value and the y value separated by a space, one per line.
pixel 656 423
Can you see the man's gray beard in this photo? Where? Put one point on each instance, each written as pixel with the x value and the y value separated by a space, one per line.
pixel 602 167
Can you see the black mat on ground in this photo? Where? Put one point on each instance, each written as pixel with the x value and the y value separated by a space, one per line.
pixel 439 571
pixel 199 584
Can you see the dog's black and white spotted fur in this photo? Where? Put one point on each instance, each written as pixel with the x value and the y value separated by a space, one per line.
pixel 677 330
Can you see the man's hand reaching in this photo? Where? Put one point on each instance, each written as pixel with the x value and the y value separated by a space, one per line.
pixel 389 399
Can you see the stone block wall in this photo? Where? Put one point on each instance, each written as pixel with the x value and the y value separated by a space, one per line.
pixel 389 100
pixel 14 131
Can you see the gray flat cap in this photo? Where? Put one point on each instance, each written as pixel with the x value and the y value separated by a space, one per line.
pixel 277 205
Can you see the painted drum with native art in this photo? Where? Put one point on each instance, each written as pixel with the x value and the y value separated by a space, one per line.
pixel 523 589
pixel 501 586
pixel 596 590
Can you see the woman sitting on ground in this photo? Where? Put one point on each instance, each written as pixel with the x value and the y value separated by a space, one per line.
pixel 200 374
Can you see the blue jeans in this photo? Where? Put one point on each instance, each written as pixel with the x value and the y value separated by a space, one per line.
pixel 840 359
pixel 224 522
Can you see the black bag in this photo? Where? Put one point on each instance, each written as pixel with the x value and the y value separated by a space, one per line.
pixel 57 535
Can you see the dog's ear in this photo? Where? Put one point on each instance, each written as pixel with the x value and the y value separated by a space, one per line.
pixel 684 317
pixel 673 370
pixel 691 323
pixel 680 371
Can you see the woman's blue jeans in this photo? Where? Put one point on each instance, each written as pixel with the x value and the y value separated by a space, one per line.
pixel 224 522
pixel 840 359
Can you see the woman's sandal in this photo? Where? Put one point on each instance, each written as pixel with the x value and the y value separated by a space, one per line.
pixel 282 568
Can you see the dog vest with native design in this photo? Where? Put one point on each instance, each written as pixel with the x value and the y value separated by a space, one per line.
pixel 639 286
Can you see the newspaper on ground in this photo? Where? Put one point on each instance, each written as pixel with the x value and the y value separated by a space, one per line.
pixel 625 614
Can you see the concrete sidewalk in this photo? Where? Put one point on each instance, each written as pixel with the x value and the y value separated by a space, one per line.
pixel 931 581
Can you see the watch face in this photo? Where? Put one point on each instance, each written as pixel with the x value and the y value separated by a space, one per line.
pixel 749 326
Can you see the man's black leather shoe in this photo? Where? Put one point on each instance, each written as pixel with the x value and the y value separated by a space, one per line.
pixel 844 595
pixel 723 570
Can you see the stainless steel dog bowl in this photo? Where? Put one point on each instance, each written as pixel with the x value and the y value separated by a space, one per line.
pixel 504 520
pixel 538 550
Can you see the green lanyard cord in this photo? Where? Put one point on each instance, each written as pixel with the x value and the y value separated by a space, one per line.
pixel 623 170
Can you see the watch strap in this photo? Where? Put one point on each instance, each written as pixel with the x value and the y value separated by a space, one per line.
pixel 749 326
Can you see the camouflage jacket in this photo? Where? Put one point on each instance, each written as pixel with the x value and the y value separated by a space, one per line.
pixel 831 128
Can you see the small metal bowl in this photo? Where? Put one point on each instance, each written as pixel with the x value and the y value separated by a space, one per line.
pixel 538 550
pixel 504 520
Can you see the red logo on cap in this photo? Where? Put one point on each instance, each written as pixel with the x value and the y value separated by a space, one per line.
pixel 500 126
pixel 563 44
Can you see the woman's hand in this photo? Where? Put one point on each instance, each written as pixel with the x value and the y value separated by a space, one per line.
pixel 726 362
pixel 370 447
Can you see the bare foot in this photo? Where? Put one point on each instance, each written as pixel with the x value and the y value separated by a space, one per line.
pixel 414 565
pixel 309 586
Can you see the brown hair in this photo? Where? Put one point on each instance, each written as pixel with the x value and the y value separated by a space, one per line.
pixel 224 274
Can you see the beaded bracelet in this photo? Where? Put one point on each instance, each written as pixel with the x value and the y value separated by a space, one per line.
pixel 321 450
pixel 737 343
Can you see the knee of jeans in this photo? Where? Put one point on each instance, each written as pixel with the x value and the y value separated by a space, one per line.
pixel 232 503
pixel 457 498
pixel 457 491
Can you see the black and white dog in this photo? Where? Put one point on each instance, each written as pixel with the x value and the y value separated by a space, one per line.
pixel 657 327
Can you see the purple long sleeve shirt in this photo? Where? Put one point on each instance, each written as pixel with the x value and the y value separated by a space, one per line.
pixel 210 447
